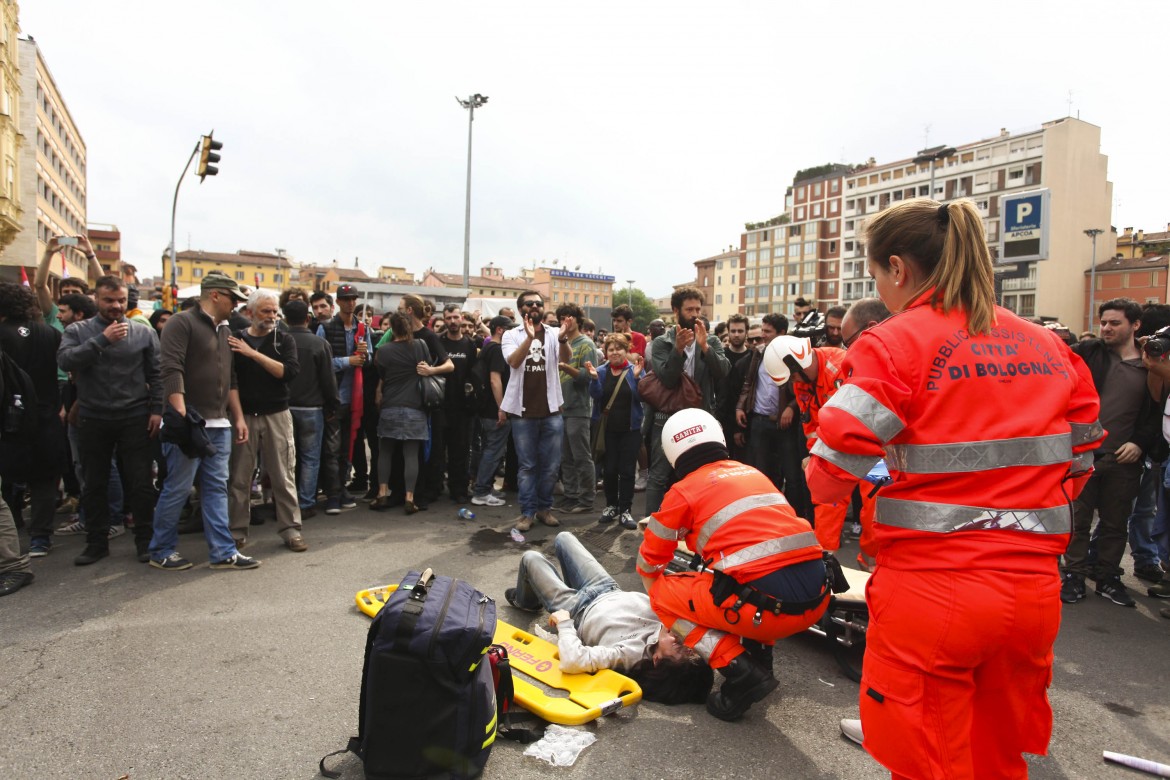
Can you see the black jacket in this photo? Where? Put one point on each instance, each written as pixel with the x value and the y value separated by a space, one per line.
pixel 315 385
pixel 1147 431
pixel 260 391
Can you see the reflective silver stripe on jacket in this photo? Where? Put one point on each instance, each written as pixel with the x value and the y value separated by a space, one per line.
pixel 705 647
pixel 945 518
pixel 766 549
pixel 662 532
pixel 1081 463
pixel 872 413
pixel 857 465
pixel 963 456
pixel 736 508
pixel 1083 433
pixel 682 628
pixel 643 566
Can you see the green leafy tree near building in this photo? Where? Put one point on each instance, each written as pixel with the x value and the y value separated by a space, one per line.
pixel 644 309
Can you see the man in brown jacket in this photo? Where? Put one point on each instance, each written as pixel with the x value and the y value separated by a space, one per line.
pixel 199 381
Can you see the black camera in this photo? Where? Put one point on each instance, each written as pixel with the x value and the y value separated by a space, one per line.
pixel 812 328
pixel 1158 345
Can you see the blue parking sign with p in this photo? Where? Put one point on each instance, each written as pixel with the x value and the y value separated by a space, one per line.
pixel 1023 213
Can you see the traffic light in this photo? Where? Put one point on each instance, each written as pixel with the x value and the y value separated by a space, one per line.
pixel 208 156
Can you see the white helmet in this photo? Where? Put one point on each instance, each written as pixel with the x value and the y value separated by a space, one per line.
pixel 776 355
pixel 689 428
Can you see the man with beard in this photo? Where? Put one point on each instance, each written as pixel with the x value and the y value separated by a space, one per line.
pixel 265 361
pixel 115 364
pixel 736 349
pixel 623 322
pixel 833 317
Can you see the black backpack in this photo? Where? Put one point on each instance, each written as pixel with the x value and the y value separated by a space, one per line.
pixel 18 401
pixel 428 702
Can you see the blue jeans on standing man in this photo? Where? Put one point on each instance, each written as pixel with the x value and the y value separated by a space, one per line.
pixel 1142 543
pixel 212 473
pixel 308 428
pixel 493 449
pixel 538 448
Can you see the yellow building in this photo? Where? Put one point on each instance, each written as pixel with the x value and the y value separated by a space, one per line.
pixel 50 173
pixel 11 137
pixel 1131 245
pixel 560 285
pixel 255 269
pixel 394 274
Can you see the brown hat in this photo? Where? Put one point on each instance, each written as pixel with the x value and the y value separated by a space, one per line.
pixel 218 280
pixel 346 291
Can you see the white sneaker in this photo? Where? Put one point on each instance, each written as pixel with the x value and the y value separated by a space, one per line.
pixel 851 730
pixel 71 529
pixel 488 500
pixel 628 522
pixel 116 531
pixel 640 482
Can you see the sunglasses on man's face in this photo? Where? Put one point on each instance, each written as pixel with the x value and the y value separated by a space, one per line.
pixel 755 339
pixel 532 304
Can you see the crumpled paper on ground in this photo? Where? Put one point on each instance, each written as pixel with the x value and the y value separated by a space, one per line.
pixel 560 746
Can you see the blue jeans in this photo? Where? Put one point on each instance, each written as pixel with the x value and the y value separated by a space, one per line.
pixel 494 447
pixel 308 428
pixel 583 580
pixel 538 449
pixel 1141 522
pixel 212 473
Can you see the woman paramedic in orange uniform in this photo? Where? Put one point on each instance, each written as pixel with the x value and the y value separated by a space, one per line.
pixel 987 423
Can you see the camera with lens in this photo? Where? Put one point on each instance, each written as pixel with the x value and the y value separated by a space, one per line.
pixel 1158 345
pixel 812 328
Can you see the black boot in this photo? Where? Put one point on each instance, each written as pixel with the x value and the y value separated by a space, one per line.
pixel 744 683
pixel 759 652
pixel 91 554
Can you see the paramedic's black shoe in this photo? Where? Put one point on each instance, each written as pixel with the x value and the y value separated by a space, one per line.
pixel 744 684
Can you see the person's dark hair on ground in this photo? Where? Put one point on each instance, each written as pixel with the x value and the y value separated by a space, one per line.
pixel 684 681
pixel 17 302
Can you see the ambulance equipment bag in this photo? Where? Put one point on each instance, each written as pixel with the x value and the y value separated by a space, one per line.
pixel 428 702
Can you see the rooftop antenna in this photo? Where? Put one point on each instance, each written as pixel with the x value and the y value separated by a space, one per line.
pixel 1069 101
pixel 926 136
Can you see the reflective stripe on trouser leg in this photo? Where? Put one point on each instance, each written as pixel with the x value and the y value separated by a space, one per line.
pixel 687 597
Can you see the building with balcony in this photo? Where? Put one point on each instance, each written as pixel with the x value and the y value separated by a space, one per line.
pixel 1142 278
pixel 1133 245
pixel 797 253
pixel 718 276
pixel 1063 156
pixel 49 175
pixel 255 269
pixel 12 139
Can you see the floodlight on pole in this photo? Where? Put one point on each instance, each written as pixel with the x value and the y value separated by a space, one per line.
pixel 475 101
pixel 1093 233
pixel 932 155
pixel 630 282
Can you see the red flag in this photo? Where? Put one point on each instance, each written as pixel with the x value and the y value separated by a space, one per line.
pixel 256 278
pixel 24 277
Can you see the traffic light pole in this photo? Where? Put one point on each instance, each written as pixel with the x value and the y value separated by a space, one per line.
pixel 174 207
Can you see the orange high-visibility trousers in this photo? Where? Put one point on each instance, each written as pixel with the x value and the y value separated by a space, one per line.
pixel 684 605
pixel 957 669
pixel 830 520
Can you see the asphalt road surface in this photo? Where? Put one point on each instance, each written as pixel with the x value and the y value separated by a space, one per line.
pixel 117 669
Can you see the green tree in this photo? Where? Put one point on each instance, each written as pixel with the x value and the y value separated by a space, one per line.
pixel 643 306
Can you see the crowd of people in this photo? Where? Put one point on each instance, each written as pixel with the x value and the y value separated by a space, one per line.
pixel 1002 441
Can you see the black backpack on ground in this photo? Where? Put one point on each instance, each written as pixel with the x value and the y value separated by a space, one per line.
pixel 428 703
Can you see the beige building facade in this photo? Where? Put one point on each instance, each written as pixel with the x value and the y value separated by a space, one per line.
pixel 560 285
pixel 50 173
pixel 1063 156
pixel 12 138
pixel 251 268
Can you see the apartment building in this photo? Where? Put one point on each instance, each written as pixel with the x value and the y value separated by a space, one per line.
pixel 1062 156
pixel 1142 278
pixel 491 282
pixel 255 269
pixel 49 177
pixel 12 138
pixel 723 291
pixel 1131 244
pixel 796 254
pixel 560 285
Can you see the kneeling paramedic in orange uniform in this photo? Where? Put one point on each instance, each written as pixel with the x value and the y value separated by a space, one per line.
pixel 763 575
pixel 987 423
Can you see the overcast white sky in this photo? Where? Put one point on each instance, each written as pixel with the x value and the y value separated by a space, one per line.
pixel 627 137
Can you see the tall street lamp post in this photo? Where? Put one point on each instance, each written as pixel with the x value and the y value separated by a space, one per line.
pixel 630 282
pixel 475 101
pixel 1093 233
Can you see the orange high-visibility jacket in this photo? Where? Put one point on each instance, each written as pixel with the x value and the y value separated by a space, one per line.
pixel 987 437
pixel 830 361
pixel 732 513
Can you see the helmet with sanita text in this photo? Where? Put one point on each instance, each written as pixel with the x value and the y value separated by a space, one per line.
pixel 784 354
pixel 687 429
